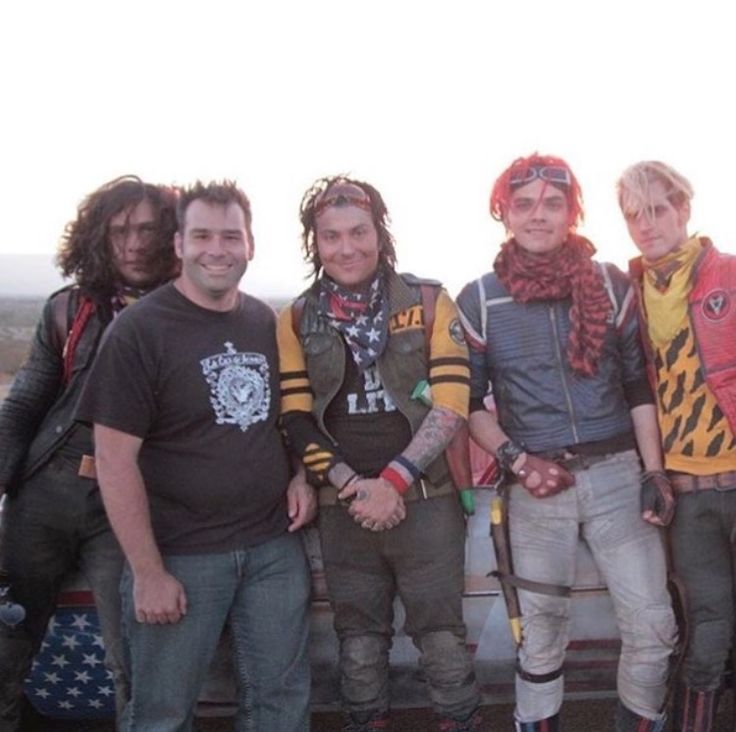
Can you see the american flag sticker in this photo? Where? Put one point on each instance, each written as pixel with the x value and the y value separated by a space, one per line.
pixel 69 678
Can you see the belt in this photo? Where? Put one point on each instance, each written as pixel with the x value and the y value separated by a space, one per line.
pixel 574 460
pixel 87 468
pixel 421 489
pixel 688 483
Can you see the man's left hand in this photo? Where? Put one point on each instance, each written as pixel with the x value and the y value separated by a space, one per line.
pixel 657 500
pixel 301 501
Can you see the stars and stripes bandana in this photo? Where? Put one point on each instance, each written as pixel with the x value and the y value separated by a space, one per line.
pixel 361 318
pixel 68 677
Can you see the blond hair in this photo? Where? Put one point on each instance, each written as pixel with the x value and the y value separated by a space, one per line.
pixel 634 186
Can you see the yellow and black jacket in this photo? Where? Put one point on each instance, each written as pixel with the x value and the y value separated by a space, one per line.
pixel 312 364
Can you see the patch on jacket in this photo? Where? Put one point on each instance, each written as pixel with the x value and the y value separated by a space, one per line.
pixel 716 305
pixel 409 319
pixel 456 331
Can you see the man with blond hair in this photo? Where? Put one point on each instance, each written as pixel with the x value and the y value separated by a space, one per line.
pixel 686 291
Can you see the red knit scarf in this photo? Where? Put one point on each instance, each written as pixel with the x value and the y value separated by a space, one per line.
pixel 568 271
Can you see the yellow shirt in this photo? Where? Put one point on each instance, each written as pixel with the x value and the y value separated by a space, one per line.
pixel 696 435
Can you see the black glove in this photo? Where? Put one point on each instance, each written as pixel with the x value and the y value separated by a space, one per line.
pixel 657 500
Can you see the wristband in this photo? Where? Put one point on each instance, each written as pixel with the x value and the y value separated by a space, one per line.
pixel 507 454
pixel 408 465
pixel 350 480
pixel 396 480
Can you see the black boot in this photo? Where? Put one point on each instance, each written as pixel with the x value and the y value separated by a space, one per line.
pixel 368 721
pixel 695 711
pixel 628 721
pixel 551 724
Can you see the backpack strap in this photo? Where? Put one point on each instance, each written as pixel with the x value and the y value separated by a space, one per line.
pixel 429 301
pixel 83 308
pixel 297 311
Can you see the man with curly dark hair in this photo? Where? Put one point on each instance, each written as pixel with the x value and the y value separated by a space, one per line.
pixel 119 247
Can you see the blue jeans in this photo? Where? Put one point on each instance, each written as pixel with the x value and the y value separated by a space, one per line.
pixel 52 526
pixel 263 592
pixel 602 508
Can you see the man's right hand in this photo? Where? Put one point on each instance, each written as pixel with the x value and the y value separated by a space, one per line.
pixel 377 504
pixel 542 478
pixel 159 599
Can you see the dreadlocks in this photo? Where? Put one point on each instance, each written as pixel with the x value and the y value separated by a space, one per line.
pixel 379 213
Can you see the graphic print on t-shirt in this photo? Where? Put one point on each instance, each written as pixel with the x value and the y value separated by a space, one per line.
pixel 372 398
pixel 239 386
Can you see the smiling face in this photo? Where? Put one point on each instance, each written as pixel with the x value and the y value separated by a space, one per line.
pixel 214 250
pixel 538 216
pixel 660 227
pixel 347 244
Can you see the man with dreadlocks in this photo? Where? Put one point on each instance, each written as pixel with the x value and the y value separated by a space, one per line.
pixel 685 290
pixel 372 393
pixel 555 335
pixel 119 247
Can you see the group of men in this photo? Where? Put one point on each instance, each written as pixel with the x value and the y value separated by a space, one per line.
pixel 175 459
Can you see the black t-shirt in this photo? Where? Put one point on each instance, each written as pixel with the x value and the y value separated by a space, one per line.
pixel 200 388
pixel 362 417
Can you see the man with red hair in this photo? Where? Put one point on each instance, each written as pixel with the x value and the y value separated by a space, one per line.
pixel 555 335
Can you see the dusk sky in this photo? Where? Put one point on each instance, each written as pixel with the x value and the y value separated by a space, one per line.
pixel 429 102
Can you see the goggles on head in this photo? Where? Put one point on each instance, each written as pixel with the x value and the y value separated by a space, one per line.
pixel 549 173
pixel 342 194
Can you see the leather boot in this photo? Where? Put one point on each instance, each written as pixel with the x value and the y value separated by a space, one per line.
pixel 551 724
pixel 695 711
pixel 628 721
pixel 368 721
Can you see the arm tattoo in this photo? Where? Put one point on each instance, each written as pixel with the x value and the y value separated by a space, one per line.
pixel 433 436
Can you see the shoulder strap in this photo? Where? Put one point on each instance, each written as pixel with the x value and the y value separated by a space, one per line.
pixel 84 309
pixel 608 284
pixel 297 310
pixel 429 301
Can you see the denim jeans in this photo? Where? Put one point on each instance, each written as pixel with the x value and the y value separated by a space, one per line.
pixel 54 525
pixel 603 508
pixel 263 592
pixel 421 560
pixel 704 550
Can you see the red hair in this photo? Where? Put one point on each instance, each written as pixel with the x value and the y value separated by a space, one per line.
pixel 519 169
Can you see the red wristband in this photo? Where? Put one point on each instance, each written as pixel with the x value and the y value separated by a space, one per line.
pixel 393 477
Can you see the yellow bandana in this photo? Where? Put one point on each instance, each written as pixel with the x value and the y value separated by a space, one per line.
pixel 667 284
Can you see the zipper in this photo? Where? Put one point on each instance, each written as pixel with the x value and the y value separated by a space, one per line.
pixel 565 389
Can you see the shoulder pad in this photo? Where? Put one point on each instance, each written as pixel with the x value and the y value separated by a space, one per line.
pixel 411 279
pixel 62 290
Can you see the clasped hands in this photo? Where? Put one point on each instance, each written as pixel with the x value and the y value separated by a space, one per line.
pixel 374 503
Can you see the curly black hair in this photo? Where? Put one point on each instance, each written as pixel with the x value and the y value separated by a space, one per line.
pixel 85 252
